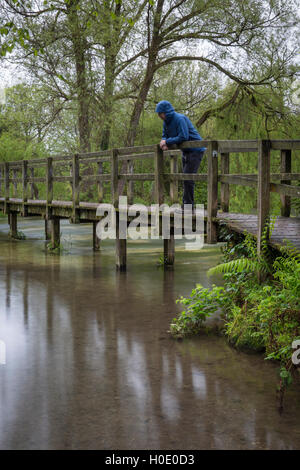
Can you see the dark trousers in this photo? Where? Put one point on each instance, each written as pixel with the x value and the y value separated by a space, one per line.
pixel 190 164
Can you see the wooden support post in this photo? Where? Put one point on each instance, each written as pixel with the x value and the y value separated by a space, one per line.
pixel 6 188
pixel 1 176
pixel 121 248
pixel 130 187
pixel 13 223
pixel 286 167
pixel 169 250
pixel 49 188
pixel 159 175
pixel 225 186
pixel 15 184
pixel 100 183
pixel 47 229
pixel 114 177
pixel 174 183
pixel 263 196
pixel 121 244
pixel 55 232
pixel 212 191
pixel 25 187
pixel 96 240
pixel 75 188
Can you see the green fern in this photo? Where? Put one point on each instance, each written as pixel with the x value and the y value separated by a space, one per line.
pixel 252 263
pixel 235 266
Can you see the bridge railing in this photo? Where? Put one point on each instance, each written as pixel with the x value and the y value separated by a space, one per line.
pixel 115 165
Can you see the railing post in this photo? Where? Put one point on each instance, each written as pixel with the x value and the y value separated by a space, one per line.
pixel 173 183
pixel 15 184
pixel 225 186
pixel 159 175
pixel 286 167
pixel 25 187
pixel 32 183
pixel 6 188
pixel 49 189
pixel 75 188
pixel 121 246
pixel 263 196
pixel 114 177
pixel 130 187
pixel 212 191
pixel 100 183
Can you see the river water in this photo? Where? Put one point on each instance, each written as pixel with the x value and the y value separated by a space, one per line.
pixel 90 365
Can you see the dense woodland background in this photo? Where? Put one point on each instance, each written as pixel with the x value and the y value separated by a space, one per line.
pixel 94 70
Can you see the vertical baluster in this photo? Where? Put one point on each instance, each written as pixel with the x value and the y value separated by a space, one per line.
pixel 212 194
pixel 286 167
pixel 25 187
pixel 225 186
pixel 263 195
pixel 75 188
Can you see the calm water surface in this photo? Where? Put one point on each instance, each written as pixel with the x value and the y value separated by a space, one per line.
pixel 90 364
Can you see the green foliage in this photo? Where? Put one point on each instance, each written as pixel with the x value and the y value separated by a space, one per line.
pixel 201 304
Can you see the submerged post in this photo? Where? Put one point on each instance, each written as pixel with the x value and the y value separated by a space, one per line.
pixel 96 240
pixel 55 232
pixel 13 223
pixel 169 249
pixel 212 191
pixel 263 196
pixel 47 229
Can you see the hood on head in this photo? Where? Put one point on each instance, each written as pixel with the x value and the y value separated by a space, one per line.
pixel 165 107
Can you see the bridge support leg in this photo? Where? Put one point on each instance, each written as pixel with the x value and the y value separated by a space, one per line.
pixel 121 253
pixel 96 240
pixel 47 229
pixel 121 248
pixel 13 223
pixel 55 232
pixel 169 250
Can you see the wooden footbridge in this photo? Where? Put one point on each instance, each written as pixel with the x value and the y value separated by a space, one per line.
pixel 18 194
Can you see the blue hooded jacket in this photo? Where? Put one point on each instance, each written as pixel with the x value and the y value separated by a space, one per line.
pixel 177 128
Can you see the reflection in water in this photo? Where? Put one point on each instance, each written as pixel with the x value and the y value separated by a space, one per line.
pixel 90 363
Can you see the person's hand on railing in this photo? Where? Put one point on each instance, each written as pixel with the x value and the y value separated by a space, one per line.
pixel 163 145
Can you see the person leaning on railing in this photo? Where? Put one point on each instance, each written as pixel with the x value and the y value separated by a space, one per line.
pixel 177 128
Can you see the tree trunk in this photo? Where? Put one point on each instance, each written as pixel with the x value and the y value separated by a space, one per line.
pixel 79 47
